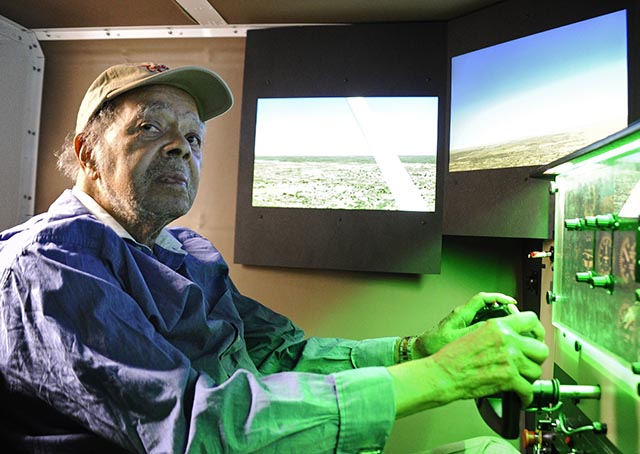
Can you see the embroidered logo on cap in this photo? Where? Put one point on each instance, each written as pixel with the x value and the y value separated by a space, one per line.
pixel 153 68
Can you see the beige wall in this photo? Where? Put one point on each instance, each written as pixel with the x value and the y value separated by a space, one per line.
pixel 324 303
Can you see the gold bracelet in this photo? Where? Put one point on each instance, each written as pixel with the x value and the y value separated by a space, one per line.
pixel 405 348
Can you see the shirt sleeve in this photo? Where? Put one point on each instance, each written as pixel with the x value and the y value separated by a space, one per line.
pixel 276 344
pixel 356 418
pixel 82 344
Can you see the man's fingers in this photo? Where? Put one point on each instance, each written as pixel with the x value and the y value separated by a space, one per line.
pixel 524 390
pixel 482 299
pixel 526 324
pixel 530 370
pixel 534 349
pixel 499 298
pixel 513 309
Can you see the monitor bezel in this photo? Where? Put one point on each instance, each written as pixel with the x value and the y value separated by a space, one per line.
pixel 508 202
pixel 353 60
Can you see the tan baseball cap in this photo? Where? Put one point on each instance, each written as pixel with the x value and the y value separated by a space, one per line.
pixel 210 92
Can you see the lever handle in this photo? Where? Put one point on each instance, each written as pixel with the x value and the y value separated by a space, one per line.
pixel 501 412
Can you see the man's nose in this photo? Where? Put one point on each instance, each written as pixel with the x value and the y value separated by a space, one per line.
pixel 178 148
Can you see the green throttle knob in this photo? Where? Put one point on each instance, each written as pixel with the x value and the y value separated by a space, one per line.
pixel 606 221
pixel 591 222
pixel 574 224
pixel 615 222
pixel 603 281
pixel 609 222
pixel 584 276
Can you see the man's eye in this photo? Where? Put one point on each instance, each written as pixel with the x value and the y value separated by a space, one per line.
pixel 149 127
pixel 194 140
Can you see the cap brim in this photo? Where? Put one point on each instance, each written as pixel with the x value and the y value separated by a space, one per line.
pixel 211 94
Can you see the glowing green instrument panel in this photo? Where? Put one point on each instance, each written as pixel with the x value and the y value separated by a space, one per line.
pixel 596 278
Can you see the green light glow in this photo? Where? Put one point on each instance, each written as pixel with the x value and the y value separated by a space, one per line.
pixel 595 245
pixel 615 150
pixel 617 370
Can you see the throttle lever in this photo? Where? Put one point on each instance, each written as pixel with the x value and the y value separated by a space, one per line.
pixel 501 411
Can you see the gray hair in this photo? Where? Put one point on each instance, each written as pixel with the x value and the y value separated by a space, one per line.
pixel 68 162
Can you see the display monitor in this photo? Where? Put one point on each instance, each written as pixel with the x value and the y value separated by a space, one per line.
pixel 343 148
pixel 535 99
pixel 360 153
pixel 516 85
pixel 531 82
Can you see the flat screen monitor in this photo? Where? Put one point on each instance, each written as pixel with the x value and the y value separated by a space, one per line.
pixel 342 148
pixel 532 100
pixel 349 153
pixel 531 82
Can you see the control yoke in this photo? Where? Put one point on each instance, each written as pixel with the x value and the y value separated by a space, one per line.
pixel 502 411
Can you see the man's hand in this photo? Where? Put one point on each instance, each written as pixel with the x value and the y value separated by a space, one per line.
pixel 500 354
pixel 457 324
pixel 504 354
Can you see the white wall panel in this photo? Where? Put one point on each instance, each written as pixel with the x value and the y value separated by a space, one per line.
pixel 21 75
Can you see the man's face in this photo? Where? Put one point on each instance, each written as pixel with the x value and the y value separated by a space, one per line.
pixel 149 163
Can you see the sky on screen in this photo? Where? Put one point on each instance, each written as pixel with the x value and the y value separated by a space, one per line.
pixel 560 80
pixel 327 126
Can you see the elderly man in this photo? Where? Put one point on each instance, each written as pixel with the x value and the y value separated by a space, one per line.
pixel 120 334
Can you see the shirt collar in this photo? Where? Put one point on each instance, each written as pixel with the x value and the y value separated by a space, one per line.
pixel 164 239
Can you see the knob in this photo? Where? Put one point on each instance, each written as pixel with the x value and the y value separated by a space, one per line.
pixel 603 281
pixel 530 438
pixel 574 224
pixel 584 276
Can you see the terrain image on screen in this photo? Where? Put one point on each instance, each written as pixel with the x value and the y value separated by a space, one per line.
pixel 356 153
pixel 535 99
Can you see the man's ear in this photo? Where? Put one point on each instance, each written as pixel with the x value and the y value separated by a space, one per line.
pixel 85 154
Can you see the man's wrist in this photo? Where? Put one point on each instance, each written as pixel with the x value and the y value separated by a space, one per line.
pixel 420 347
pixel 405 349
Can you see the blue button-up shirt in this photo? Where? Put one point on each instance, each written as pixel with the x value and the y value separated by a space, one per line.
pixel 157 351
